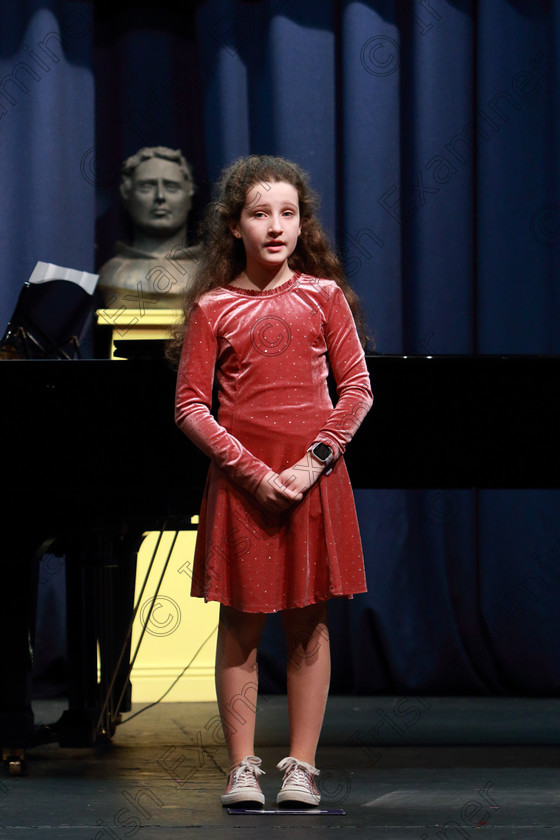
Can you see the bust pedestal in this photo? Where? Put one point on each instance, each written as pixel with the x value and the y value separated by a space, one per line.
pixel 138 323
pixel 171 625
pixel 174 625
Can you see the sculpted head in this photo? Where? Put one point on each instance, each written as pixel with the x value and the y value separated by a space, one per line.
pixel 157 187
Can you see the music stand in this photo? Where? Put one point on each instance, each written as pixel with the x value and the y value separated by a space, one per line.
pixel 50 314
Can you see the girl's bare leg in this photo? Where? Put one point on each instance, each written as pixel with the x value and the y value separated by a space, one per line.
pixel 309 673
pixel 239 634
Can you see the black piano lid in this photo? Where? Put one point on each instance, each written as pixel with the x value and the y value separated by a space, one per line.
pixel 462 421
pixel 437 421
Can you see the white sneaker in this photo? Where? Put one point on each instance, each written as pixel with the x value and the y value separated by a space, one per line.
pixel 242 783
pixel 299 783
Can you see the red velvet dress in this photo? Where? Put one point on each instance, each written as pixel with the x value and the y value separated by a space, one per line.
pixel 269 353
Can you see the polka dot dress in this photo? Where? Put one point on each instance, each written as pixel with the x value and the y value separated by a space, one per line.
pixel 270 353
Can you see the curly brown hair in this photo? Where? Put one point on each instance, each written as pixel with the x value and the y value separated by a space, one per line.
pixel 223 255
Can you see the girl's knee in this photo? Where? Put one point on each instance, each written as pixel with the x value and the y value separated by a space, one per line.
pixel 242 625
pixel 306 628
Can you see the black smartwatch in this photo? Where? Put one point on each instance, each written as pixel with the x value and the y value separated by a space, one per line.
pixel 322 453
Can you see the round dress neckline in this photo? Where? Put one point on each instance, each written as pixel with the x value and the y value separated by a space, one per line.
pixel 277 290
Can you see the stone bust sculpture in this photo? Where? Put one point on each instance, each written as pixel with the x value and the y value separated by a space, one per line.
pixel 152 271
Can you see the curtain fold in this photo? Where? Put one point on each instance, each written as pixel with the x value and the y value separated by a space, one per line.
pixel 47 134
pixel 431 131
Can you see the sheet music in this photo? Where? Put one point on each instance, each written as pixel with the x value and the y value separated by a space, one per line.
pixel 43 272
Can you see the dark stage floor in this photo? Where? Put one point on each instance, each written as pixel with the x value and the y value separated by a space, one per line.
pixel 162 775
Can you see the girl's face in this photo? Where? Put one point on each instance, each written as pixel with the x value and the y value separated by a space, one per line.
pixel 269 224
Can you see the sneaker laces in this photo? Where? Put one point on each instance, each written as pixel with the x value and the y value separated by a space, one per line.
pixel 296 772
pixel 247 771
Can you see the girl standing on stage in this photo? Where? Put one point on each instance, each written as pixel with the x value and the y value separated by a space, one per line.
pixel 267 314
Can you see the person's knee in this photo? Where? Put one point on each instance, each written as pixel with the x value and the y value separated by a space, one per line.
pixel 246 628
pixel 307 631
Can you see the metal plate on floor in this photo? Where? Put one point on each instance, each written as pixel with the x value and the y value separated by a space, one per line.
pixel 330 812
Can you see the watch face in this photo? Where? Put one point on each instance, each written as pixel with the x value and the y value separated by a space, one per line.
pixel 322 451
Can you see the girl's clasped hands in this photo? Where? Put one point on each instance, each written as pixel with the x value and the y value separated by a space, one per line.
pixel 277 492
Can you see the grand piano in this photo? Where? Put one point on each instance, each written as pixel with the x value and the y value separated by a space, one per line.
pixel 96 459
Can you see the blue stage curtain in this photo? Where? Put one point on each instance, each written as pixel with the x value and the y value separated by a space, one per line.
pixel 47 138
pixel 430 129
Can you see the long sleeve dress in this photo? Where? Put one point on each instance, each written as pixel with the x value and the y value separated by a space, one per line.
pixel 270 352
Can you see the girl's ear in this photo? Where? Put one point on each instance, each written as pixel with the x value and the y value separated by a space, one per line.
pixel 234 227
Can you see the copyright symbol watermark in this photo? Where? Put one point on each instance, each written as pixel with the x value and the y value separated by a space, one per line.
pixel 334 785
pixel 51 564
pixel 271 336
pixel 443 507
pixel 545 225
pixel 99 167
pixel 165 616
pixel 380 55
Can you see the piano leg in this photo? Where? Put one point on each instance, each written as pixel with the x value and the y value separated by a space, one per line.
pixel 20 575
pixel 118 584
pixel 100 592
pixel 76 727
pixel 100 571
